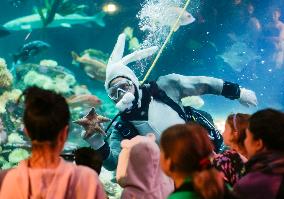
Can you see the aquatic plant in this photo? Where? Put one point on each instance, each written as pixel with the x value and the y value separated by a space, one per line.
pixel 17 155
pixel 6 78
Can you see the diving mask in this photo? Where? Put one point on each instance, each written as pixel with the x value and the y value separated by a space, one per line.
pixel 118 90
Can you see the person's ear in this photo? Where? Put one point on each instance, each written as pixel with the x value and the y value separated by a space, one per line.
pixel 259 145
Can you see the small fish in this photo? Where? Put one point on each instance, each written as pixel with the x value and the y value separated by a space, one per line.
pixel 172 14
pixel 4 32
pixel 29 50
pixel 84 100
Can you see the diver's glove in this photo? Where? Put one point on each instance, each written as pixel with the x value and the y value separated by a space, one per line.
pixel 96 141
pixel 247 97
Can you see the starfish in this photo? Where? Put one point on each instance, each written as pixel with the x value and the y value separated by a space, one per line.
pixel 92 123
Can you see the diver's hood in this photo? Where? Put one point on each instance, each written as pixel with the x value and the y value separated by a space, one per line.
pixel 117 64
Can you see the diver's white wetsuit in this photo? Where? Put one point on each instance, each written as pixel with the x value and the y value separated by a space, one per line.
pixel 157 114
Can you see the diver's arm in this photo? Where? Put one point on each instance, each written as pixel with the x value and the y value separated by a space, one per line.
pixel 178 86
pixel 110 163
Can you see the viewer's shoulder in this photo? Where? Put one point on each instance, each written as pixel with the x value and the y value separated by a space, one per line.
pixel 83 171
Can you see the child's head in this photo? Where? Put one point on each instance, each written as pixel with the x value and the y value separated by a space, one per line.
pixel 88 157
pixel 235 130
pixel 185 153
pixel 46 115
pixel 265 132
pixel 184 147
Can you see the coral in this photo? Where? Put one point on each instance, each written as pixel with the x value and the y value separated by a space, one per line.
pixel 61 83
pixel 33 78
pixel 48 63
pixel 3 134
pixel 112 189
pixel 6 78
pixel 6 165
pixel 15 138
pixel 8 96
pixel 17 155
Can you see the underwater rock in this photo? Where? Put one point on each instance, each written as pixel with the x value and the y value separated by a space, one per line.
pixel 9 96
pixel 6 78
pixel 18 155
pixel 239 56
pixel 194 101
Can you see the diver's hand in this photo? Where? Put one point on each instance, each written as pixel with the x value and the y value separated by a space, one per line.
pixel 96 141
pixel 247 98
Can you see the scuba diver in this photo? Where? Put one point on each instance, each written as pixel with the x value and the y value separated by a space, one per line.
pixel 155 106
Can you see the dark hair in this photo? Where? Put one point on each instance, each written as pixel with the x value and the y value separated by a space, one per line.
pixel 46 114
pixel 268 125
pixel 187 145
pixel 239 123
pixel 89 157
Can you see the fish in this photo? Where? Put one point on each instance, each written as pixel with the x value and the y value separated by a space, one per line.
pixel 4 32
pixel 84 100
pixel 34 21
pixel 29 50
pixel 168 17
pixel 239 56
pixel 93 67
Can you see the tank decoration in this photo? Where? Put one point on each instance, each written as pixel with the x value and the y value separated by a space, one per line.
pixel 6 78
